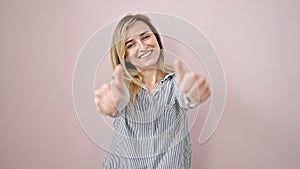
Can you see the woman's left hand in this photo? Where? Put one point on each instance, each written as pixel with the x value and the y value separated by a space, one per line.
pixel 194 86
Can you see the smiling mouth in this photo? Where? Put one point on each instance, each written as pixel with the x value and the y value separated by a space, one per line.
pixel 146 54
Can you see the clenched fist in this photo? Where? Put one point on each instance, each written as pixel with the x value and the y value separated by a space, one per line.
pixel 195 87
pixel 110 95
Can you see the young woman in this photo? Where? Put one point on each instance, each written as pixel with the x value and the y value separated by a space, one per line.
pixel 148 100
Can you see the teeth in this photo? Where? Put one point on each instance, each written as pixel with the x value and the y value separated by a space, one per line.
pixel 145 55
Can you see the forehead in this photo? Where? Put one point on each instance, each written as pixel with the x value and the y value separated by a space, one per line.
pixel 137 28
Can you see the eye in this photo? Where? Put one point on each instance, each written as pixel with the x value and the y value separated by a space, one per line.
pixel 129 45
pixel 146 37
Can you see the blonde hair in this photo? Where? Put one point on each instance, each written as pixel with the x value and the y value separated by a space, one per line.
pixel 118 51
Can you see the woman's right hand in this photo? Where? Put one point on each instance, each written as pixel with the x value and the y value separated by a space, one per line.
pixel 109 96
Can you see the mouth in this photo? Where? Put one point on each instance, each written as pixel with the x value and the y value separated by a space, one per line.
pixel 144 55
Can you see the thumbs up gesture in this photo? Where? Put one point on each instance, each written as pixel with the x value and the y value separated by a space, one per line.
pixel 194 86
pixel 109 96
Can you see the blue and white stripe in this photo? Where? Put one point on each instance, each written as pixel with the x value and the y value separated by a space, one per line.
pixel 154 133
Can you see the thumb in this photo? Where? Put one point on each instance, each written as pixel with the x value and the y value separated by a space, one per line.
pixel 178 70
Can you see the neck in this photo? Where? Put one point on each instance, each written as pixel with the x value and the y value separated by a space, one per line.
pixel 152 76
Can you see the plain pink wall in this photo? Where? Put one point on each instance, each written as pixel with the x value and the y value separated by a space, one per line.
pixel 257 41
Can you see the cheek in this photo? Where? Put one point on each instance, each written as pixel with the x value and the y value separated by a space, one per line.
pixel 128 53
pixel 131 52
pixel 155 43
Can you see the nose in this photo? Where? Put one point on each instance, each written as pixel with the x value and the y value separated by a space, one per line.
pixel 141 46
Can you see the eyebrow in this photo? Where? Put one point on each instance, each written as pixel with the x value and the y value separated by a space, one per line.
pixel 132 39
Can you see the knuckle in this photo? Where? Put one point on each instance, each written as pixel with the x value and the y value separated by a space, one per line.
pixel 96 100
pixel 97 92
pixel 195 75
pixel 201 80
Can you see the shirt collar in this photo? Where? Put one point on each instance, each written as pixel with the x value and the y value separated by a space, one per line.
pixel 170 75
pixel 167 76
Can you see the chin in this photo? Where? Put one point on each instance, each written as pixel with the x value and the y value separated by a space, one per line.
pixel 150 64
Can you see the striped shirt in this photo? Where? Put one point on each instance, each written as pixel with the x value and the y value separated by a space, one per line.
pixel 152 134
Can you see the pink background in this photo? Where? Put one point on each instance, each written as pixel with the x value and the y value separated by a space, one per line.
pixel 257 41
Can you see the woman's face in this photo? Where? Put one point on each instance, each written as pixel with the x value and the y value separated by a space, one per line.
pixel 142 48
